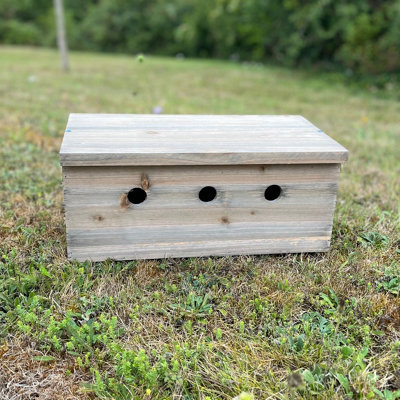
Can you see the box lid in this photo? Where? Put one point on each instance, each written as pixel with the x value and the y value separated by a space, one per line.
pixel 135 139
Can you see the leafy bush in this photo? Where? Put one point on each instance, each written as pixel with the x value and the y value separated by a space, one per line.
pixel 363 35
pixel 17 32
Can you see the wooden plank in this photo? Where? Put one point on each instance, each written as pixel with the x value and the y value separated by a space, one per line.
pixel 144 235
pixel 199 249
pixel 118 139
pixel 187 196
pixel 127 176
pixel 106 217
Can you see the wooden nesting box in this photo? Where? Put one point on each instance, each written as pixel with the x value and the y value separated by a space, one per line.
pixel 153 186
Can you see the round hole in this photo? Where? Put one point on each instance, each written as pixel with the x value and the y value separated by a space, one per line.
pixel 137 195
pixel 208 193
pixel 272 192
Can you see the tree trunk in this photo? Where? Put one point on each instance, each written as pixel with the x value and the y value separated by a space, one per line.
pixel 61 36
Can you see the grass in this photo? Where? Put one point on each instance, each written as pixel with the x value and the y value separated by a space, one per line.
pixel 284 327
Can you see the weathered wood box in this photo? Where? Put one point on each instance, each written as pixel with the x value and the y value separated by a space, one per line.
pixel 153 186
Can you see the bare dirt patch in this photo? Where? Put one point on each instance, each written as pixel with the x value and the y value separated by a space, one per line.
pixel 22 377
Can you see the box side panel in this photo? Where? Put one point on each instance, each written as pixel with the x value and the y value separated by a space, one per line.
pixel 66 211
pixel 173 222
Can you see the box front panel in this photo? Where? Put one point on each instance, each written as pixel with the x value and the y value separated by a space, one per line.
pixel 173 221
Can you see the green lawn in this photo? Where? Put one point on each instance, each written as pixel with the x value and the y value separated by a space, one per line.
pixel 320 326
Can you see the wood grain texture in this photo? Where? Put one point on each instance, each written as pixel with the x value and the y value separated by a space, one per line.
pixel 173 222
pixel 150 140
pixel 200 249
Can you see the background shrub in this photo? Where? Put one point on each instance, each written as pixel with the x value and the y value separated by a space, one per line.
pixel 363 35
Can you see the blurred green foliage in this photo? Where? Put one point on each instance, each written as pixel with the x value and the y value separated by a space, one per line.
pixel 361 35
